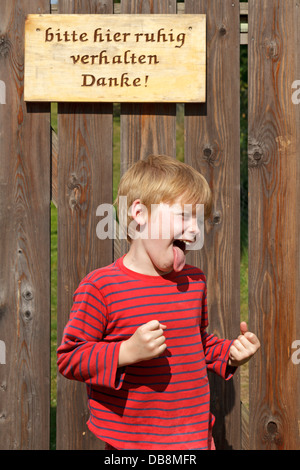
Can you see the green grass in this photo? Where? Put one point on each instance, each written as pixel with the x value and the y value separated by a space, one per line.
pixel 54 116
pixel 244 370
pixel 244 285
pixel 116 151
pixel 53 324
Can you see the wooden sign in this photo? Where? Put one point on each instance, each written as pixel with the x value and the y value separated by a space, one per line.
pixel 115 58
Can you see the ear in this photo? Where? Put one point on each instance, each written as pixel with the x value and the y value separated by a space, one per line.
pixel 139 213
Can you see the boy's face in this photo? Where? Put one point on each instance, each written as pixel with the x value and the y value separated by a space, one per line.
pixel 167 233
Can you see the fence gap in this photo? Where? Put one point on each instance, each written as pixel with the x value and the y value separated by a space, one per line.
pixel 116 148
pixel 180 132
pixel 244 370
pixel 53 332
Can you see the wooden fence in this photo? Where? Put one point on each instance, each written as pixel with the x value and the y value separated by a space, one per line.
pixel 83 179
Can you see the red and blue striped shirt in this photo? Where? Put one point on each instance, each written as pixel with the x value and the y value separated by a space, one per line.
pixel 163 403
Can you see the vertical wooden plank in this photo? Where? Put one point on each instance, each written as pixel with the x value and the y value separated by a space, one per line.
pixel 212 146
pixel 84 182
pixel 146 128
pixel 274 203
pixel 25 244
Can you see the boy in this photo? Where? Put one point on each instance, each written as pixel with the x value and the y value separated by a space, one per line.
pixel 137 331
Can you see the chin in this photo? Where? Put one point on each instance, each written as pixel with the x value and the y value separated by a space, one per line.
pixel 164 269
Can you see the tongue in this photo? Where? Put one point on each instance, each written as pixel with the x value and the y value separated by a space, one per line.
pixel 179 259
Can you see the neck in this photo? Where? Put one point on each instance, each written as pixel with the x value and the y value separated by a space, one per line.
pixel 138 261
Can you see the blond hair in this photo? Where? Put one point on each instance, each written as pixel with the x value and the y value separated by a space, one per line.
pixel 163 179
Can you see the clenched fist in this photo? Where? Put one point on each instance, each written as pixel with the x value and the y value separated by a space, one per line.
pixel 244 347
pixel 147 342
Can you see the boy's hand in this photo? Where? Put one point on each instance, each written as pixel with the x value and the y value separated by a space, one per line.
pixel 147 342
pixel 244 347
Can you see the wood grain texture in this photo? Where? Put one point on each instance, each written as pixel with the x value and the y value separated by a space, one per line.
pixel 147 127
pixel 84 182
pixel 274 263
pixel 25 245
pixel 212 146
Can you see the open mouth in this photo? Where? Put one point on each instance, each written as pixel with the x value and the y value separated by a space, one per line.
pixel 181 244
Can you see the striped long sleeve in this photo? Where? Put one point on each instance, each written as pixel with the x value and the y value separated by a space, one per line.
pixel 162 403
pixel 84 355
pixel 216 350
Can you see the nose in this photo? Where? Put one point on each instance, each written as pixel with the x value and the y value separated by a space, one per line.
pixel 195 233
pixel 193 227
